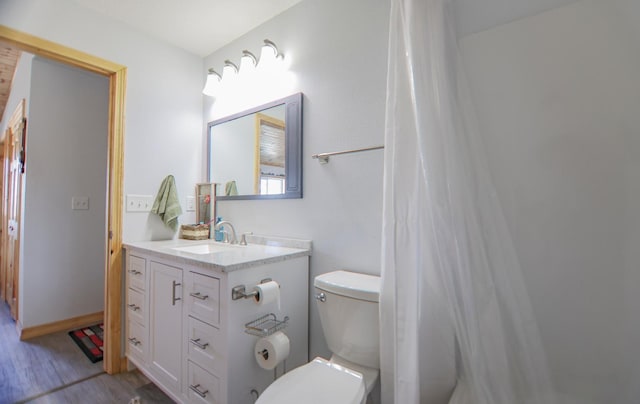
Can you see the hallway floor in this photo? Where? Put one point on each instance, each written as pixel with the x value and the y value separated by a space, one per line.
pixel 52 369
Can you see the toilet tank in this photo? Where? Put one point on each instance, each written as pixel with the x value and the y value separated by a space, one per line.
pixel 348 307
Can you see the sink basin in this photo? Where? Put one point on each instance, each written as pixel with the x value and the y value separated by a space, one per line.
pixel 203 248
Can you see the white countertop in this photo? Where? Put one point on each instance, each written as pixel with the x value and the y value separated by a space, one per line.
pixel 225 257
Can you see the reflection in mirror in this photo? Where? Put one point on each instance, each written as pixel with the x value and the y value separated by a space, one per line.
pixel 205 202
pixel 256 154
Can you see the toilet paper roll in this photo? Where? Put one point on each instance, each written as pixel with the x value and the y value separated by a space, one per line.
pixel 268 292
pixel 272 350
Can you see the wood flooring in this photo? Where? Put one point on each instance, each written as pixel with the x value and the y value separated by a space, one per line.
pixel 52 369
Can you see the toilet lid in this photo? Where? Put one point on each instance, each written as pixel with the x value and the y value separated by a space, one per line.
pixel 317 382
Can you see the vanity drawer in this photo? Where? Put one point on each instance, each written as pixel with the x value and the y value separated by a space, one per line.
pixel 135 306
pixel 136 272
pixel 205 346
pixel 203 387
pixel 136 339
pixel 203 300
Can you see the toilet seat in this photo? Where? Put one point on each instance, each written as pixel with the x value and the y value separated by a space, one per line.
pixel 317 382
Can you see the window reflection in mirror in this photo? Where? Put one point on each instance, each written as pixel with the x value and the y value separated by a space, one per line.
pixel 256 154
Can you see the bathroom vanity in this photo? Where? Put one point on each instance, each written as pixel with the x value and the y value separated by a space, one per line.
pixel 186 314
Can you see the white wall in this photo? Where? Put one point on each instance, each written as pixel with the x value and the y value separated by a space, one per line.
pixel 338 61
pixel 557 96
pixel 163 106
pixel 163 100
pixel 163 127
pixel 63 250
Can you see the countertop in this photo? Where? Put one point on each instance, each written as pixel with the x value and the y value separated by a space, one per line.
pixel 225 257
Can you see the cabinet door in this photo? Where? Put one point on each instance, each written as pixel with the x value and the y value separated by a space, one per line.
pixel 165 308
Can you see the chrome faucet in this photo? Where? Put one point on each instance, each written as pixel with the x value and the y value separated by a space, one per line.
pixel 233 239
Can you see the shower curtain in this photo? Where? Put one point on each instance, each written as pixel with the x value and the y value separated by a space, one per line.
pixel 456 322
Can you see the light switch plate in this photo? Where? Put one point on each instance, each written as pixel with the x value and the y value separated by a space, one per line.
pixel 80 203
pixel 191 203
pixel 139 203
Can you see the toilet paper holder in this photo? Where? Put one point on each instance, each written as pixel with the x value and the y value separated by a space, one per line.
pixel 266 325
pixel 240 291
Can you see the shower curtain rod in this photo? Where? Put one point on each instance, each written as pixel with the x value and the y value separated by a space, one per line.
pixel 323 158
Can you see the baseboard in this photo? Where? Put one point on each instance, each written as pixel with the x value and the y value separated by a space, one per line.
pixel 62 325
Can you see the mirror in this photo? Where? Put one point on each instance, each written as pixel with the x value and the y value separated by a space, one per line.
pixel 257 154
pixel 205 202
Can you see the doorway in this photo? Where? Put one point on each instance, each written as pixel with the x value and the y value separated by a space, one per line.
pixel 116 73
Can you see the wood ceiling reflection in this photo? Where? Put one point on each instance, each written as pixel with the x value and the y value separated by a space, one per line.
pixel 8 61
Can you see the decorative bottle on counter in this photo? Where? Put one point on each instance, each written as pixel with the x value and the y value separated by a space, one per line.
pixel 218 233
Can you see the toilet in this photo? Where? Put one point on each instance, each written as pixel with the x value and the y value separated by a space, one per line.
pixel 348 307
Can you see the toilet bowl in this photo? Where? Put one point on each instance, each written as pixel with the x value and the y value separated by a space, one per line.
pixel 311 381
pixel 348 307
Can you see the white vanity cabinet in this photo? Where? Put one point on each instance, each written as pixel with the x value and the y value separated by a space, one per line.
pixel 186 333
pixel 165 320
pixel 136 308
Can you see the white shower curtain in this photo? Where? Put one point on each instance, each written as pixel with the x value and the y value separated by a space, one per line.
pixel 449 266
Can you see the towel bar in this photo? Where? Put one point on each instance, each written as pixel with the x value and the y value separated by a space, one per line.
pixel 323 158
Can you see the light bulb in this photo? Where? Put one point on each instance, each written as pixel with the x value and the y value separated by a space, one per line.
pixel 212 84
pixel 247 62
pixel 229 71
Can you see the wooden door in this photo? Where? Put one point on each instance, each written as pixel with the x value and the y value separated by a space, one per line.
pixel 3 217
pixel 12 202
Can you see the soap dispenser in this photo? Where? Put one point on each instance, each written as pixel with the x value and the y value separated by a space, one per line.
pixel 218 234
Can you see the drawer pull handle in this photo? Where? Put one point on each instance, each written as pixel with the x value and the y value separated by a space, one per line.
pixel 134 307
pixel 197 343
pixel 134 341
pixel 134 272
pixel 197 295
pixel 174 299
pixel 195 389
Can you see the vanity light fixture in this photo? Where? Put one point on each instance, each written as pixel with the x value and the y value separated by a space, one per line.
pixel 269 60
pixel 212 84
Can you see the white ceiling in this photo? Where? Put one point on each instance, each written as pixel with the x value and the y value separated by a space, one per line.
pixel 203 26
pixel 198 26
pixel 478 15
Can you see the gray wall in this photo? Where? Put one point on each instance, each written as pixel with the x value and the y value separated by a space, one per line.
pixel 557 101
pixel 63 250
pixel 338 61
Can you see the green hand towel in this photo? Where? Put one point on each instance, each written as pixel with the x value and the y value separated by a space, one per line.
pixel 167 203
pixel 230 188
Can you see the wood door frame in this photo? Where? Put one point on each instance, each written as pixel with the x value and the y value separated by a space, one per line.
pixel 12 201
pixel 113 361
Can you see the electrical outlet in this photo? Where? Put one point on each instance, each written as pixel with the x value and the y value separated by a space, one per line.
pixel 139 203
pixel 80 203
pixel 191 203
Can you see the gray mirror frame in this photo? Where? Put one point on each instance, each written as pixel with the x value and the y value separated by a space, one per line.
pixel 293 147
